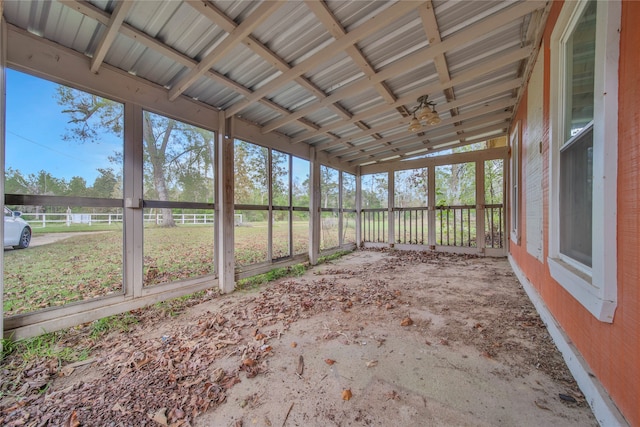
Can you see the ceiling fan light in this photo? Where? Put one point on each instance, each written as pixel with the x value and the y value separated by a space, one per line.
pixel 415 125
pixel 425 114
pixel 434 119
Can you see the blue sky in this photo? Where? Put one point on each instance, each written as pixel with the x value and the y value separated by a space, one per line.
pixel 35 126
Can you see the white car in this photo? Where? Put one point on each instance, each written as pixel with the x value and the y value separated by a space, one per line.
pixel 17 231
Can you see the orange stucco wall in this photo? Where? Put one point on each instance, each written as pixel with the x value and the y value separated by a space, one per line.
pixel 611 350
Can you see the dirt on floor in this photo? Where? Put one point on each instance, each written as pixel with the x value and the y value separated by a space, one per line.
pixel 383 338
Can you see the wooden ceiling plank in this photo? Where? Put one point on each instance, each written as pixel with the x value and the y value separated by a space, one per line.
pixel 236 36
pixel 432 30
pixel 113 27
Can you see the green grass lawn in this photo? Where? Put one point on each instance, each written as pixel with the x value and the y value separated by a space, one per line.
pixel 90 265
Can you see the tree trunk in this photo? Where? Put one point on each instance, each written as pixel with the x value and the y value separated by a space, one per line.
pixel 156 157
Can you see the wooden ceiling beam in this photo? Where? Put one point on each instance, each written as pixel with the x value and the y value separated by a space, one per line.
pixel 333 26
pixel 218 17
pixel 103 17
pixel 454 104
pixel 417 59
pixel 408 147
pixel 113 27
pixel 469 122
pixel 388 142
pixel 262 12
pixel 477 96
pixel 374 24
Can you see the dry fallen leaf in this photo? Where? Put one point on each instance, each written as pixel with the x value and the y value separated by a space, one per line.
pixel 160 417
pixel 329 361
pixel 260 337
pixel 66 371
pixel 406 322
pixel 72 421
pixel 249 362
pixel 300 368
pixel 346 394
pixel 541 406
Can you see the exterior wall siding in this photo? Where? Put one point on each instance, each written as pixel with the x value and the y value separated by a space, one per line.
pixel 532 138
pixel 612 351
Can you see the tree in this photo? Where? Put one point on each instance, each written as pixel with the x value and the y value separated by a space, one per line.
pixel 16 183
pixel 243 183
pixel 329 186
pixel 104 184
pixel 171 148
pixel 77 187
pixel 375 189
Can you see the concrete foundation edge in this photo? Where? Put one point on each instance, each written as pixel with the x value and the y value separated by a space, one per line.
pixel 606 412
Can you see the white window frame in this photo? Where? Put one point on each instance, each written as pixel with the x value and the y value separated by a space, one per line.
pixel 596 287
pixel 514 140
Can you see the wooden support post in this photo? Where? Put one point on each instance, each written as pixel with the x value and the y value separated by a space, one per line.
pixel 358 207
pixel 314 207
pixel 133 212
pixel 3 51
pixel 224 206
pixel 431 190
pixel 340 209
pixel 480 202
pixel 390 202
pixel 290 213
pixel 270 203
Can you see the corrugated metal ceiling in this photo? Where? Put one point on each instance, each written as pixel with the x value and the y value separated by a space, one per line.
pixel 351 99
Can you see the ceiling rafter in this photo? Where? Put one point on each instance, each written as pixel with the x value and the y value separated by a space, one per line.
pixel 415 144
pixel 470 122
pixel 431 29
pixel 418 58
pixel 474 97
pixel 372 25
pixel 103 17
pixel 478 57
pixel 257 17
pixel 326 17
pixel 401 149
pixel 113 27
pixel 401 125
pixel 467 76
pixel 417 151
pixel 493 107
pixel 216 16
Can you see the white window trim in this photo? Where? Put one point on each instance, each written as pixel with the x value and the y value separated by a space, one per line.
pixel 596 288
pixel 514 140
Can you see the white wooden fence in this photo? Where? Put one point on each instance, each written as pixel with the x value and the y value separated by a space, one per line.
pixel 42 220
